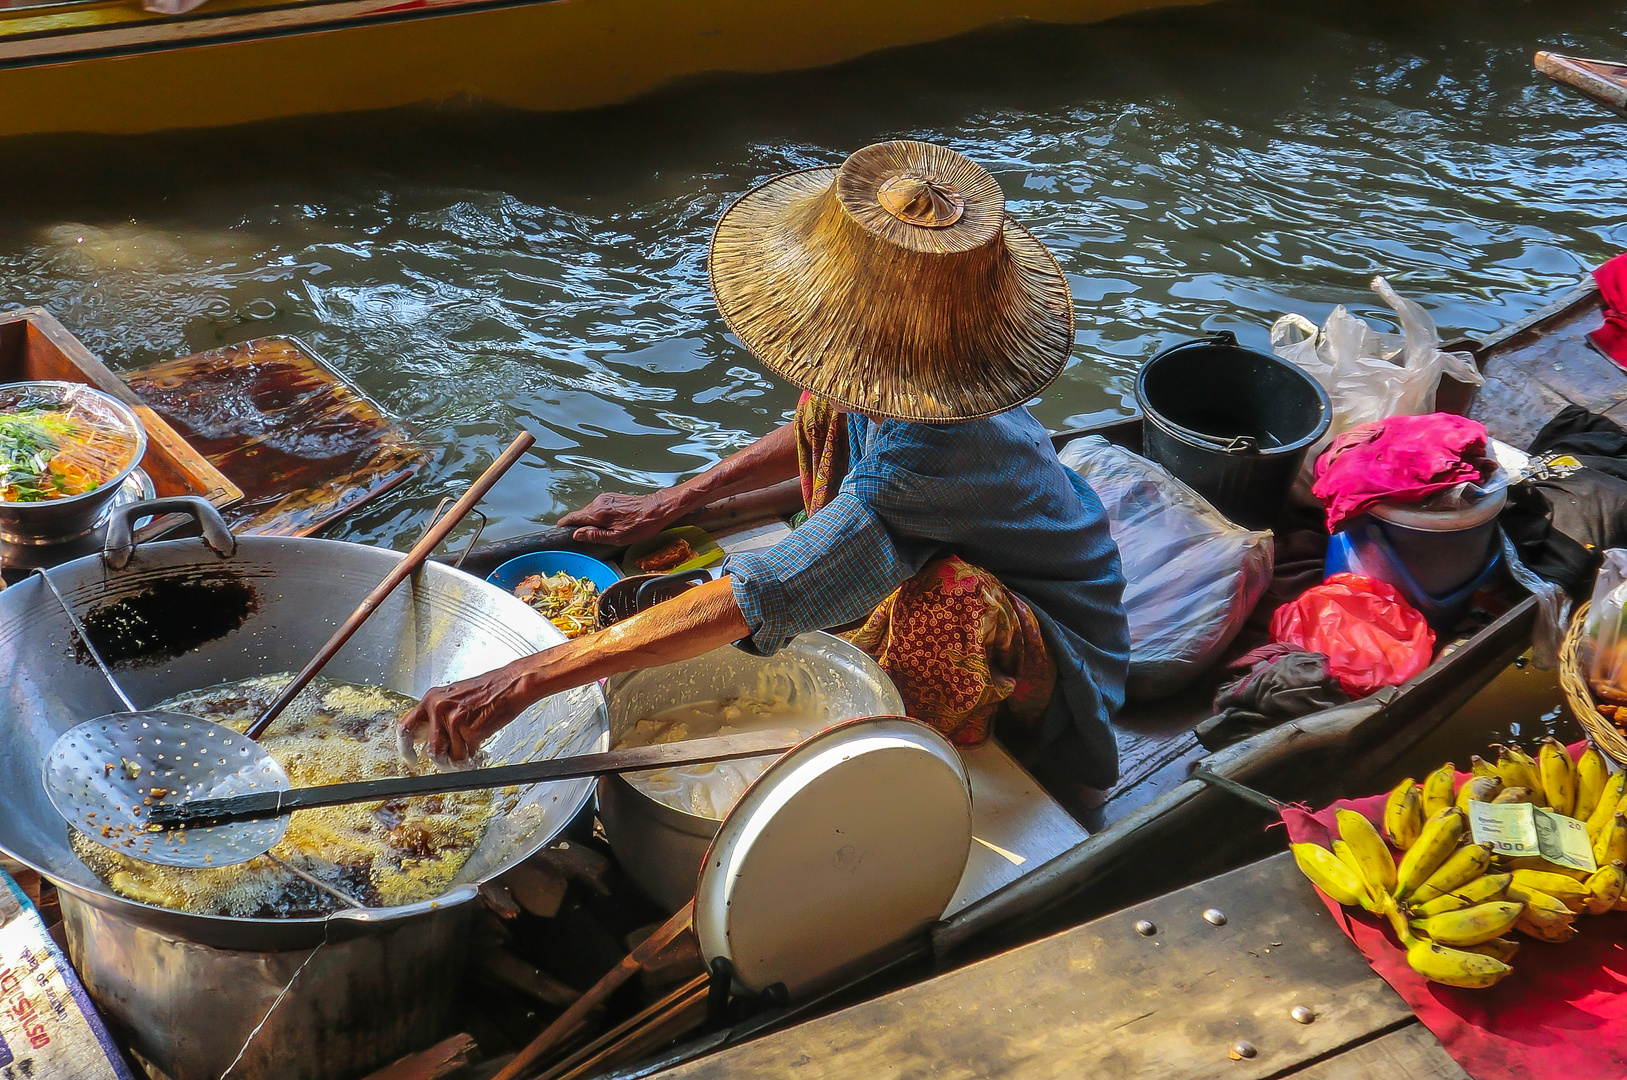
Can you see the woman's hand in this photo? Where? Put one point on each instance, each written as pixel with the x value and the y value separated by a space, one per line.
pixel 460 716
pixel 613 518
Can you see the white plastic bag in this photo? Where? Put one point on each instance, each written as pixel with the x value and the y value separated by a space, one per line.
pixel 1192 577
pixel 1606 629
pixel 1370 375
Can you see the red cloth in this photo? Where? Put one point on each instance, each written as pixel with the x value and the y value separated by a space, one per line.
pixel 1562 1014
pixel 1611 338
pixel 1399 459
pixel 1371 637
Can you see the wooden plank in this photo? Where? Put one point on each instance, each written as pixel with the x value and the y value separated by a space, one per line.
pixel 305 446
pixel 1103 1000
pixel 1016 826
pixel 1409 1053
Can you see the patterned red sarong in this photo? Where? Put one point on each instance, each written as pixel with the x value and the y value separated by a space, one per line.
pixel 959 645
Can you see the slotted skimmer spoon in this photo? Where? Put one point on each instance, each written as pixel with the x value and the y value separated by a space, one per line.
pixel 104 775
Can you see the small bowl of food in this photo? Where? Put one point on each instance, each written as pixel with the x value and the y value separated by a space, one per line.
pixel 562 585
pixel 65 450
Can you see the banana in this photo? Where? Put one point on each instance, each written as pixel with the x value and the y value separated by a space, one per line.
pixel 1518 770
pixel 1461 867
pixel 1483 888
pixel 1435 843
pixel 1592 776
pixel 1471 925
pixel 1545 926
pixel 1329 874
pixel 1558 775
pixel 1604 888
pixel 1612 842
pixel 1478 789
pixel 1502 948
pixel 1403 814
pixel 1439 787
pixel 1479 766
pixel 1455 967
pixel 1516 795
pixel 1538 902
pixel 1369 898
pixel 1372 853
pixel 1534 863
pixel 1559 886
pixel 1609 802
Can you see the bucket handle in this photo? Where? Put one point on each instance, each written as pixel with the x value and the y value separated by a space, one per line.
pixel 1240 445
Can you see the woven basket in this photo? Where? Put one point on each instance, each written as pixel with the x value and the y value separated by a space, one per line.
pixel 1573 680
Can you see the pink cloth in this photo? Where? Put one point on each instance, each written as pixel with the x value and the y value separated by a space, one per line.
pixel 1562 1014
pixel 1611 338
pixel 1399 459
pixel 1371 637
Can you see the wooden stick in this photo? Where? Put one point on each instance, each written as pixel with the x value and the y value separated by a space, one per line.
pixel 653 1026
pixel 601 991
pixel 403 569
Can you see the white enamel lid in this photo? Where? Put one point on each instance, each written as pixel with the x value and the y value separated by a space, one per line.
pixel 841 852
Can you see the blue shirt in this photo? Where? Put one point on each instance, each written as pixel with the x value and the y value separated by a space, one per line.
pixel 993 492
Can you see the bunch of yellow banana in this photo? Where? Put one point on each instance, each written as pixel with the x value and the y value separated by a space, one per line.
pixel 1449 901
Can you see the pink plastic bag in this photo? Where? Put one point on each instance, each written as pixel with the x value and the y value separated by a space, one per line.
pixel 1371 637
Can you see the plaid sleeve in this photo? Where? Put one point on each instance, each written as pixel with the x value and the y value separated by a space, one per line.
pixel 833 569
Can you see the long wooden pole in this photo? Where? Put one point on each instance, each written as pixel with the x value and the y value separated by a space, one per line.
pixel 403 569
pixel 612 981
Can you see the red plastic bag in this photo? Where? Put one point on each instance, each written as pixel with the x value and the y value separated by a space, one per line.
pixel 1371 637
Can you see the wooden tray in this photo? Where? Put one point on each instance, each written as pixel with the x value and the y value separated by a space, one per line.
pixel 305 447
pixel 33 345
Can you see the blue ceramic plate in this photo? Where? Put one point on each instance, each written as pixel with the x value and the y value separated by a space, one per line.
pixel 508 576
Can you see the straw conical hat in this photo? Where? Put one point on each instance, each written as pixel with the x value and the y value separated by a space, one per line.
pixel 894 285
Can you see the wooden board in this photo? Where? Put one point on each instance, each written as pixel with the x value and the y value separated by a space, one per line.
pixel 1408 1053
pixel 305 446
pixel 1543 363
pixel 34 346
pixel 1102 1000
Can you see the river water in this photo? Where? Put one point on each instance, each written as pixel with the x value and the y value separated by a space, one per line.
pixel 478 270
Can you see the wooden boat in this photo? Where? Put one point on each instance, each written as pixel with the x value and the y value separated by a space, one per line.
pixel 1180 813
pixel 1601 80
pixel 111 66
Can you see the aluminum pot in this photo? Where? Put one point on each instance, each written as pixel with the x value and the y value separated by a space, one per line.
pixel 661 848
pixel 190 989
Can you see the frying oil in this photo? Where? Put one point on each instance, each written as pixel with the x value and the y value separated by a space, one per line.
pixel 379 853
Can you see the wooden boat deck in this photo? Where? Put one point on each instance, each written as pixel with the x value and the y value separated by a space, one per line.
pixel 1104 1000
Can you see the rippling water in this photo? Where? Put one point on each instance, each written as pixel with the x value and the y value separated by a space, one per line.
pixel 478 270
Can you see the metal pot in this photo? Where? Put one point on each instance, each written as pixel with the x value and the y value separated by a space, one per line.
pixel 661 848
pixel 192 988
pixel 57 521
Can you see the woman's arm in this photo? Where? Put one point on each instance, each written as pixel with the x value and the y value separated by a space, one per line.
pixel 613 518
pixel 460 716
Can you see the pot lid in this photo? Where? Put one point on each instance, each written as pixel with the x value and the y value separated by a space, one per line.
pixel 841 852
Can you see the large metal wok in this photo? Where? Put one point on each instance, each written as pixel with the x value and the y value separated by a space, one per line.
pixel 191 988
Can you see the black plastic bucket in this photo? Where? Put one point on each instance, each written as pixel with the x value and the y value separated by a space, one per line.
pixel 1232 423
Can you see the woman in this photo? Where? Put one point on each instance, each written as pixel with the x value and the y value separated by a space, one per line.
pixel 979 572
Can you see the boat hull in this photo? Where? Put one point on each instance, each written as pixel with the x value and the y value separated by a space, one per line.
pixel 107 67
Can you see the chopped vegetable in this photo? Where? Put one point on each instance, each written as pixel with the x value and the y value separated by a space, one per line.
pixel 570 603
pixel 48 454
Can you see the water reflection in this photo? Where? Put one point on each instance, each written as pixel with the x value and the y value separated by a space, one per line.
pixel 477 270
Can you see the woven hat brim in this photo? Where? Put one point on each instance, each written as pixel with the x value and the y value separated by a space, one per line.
pixel 934 338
